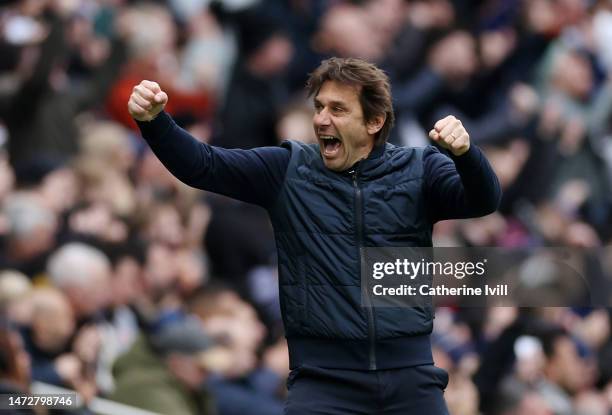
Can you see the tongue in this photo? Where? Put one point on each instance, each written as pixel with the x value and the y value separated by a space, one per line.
pixel 331 147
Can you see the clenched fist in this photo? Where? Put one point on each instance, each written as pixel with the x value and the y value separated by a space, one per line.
pixel 147 100
pixel 450 134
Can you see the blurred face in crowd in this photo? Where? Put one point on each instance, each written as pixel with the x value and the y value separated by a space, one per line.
pixel 387 17
pixel 126 281
pixel 98 220
pixel 565 367
pixel 534 404
pixel 191 271
pixel 52 320
pixel 345 31
pixel 17 363
pixel 165 226
pixel 186 369
pixel 160 273
pixel 296 124
pixel 251 332
pixel 431 14
pixel 454 57
pixel 344 135
pixel 93 296
pixel 573 75
pixel 234 322
pixel 59 189
pixel 273 56
pixel 7 177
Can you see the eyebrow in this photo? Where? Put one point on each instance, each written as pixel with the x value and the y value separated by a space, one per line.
pixel 331 103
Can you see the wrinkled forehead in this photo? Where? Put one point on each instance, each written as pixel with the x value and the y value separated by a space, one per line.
pixel 335 91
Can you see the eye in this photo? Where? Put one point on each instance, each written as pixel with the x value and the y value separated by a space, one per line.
pixel 318 107
pixel 337 109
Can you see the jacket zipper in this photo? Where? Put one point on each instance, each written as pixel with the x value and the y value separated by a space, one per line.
pixel 364 288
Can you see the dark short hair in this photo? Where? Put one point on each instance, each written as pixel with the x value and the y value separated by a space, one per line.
pixel 373 83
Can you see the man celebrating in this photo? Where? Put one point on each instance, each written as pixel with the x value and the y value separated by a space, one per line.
pixel 326 202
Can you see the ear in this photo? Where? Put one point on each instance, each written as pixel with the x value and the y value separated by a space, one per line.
pixel 375 124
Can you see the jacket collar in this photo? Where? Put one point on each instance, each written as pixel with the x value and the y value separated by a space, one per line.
pixel 370 163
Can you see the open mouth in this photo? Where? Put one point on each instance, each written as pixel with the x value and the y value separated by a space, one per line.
pixel 331 145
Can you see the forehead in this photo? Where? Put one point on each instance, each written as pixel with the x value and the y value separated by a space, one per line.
pixel 338 92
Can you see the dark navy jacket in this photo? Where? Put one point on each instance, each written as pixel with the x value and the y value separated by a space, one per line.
pixel 322 218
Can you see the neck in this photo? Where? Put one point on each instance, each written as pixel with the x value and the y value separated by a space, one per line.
pixel 367 149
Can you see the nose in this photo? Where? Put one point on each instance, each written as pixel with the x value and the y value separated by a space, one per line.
pixel 322 118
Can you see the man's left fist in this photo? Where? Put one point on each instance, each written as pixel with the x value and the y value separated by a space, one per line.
pixel 450 134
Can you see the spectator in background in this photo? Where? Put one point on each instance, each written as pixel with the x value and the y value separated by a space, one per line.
pixel 295 122
pixel 7 176
pixel 14 366
pixel 344 30
pixel 105 185
pixel 51 341
pixel 126 286
pixel 238 239
pixel 31 234
pixel 110 143
pixel 154 55
pixel 48 128
pixel 248 386
pixel 95 221
pixel 161 301
pixel 83 274
pixel 14 288
pixel 230 320
pixel 165 372
pixel 565 372
pixel 257 90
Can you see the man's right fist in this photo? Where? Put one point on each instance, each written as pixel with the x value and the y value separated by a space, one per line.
pixel 147 100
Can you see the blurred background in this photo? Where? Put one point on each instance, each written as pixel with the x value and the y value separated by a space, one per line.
pixel 121 283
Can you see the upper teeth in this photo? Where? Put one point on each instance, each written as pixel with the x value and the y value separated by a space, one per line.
pixel 327 137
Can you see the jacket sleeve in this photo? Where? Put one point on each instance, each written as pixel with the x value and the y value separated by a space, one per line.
pixel 459 187
pixel 253 176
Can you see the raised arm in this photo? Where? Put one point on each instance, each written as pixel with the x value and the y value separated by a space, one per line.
pixel 253 176
pixel 463 186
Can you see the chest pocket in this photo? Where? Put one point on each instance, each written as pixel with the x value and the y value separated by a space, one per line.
pixel 395 209
pixel 319 205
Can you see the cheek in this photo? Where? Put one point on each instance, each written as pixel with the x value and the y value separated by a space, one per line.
pixel 356 137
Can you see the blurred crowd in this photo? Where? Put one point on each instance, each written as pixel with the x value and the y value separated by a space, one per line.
pixel 118 281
